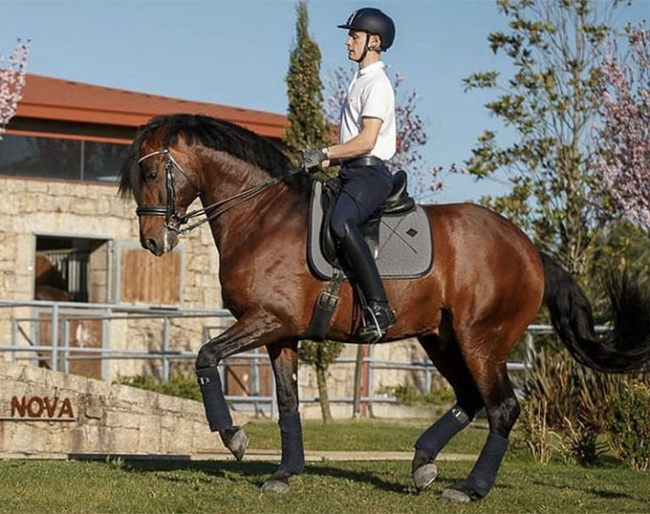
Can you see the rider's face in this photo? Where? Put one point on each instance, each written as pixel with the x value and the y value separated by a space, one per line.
pixel 355 44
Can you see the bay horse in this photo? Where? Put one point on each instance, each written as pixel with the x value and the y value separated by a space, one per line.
pixel 486 285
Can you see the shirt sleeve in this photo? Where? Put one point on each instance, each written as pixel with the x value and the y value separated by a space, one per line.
pixel 378 99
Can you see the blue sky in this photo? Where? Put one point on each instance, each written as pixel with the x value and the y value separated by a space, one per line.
pixel 237 52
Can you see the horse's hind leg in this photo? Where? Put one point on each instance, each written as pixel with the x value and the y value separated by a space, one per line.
pixel 487 365
pixel 446 356
pixel 284 360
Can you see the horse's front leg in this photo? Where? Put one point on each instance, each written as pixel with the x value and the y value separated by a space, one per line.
pixel 284 360
pixel 252 330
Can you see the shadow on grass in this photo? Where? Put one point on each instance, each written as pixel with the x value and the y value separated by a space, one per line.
pixel 255 473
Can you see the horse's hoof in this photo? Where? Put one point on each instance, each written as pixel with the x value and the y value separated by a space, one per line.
pixel 459 493
pixel 452 495
pixel 238 444
pixel 275 486
pixel 425 475
pixel 236 440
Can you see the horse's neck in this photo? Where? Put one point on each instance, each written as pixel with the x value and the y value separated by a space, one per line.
pixel 242 217
pixel 240 229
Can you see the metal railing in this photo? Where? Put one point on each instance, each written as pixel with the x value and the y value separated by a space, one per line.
pixel 27 331
pixel 53 320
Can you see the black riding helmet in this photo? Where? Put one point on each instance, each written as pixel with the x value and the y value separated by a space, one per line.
pixel 374 22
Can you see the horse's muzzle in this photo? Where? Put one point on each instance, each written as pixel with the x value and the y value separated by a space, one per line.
pixel 160 243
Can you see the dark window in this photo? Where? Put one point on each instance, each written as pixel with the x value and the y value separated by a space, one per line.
pixel 102 161
pixel 31 156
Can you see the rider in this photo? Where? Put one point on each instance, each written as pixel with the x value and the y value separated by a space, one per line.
pixel 367 139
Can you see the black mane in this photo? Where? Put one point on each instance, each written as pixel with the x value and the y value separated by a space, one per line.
pixel 216 134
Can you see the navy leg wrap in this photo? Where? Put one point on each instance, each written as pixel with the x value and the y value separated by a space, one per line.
pixel 293 453
pixel 438 435
pixel 482 477
pixel 216 408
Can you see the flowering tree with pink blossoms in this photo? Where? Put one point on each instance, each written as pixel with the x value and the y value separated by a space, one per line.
pixel 12 82
pixel 624 138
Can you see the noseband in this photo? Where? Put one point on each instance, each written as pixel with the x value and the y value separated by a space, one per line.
pixel 173 217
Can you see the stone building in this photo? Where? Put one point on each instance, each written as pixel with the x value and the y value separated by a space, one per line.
pixel 66 235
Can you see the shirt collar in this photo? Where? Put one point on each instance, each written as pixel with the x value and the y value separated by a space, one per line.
pixel 379 65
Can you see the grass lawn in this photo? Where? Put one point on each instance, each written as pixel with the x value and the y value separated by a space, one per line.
pixel 364 435
pixel 116 486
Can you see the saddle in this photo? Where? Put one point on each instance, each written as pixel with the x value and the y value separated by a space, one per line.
pixel 397 202
pixel 399 236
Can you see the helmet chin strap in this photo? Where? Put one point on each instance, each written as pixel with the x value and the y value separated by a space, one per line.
pixel 367 48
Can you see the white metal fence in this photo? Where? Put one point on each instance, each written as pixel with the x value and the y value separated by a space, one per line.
pixel 32 322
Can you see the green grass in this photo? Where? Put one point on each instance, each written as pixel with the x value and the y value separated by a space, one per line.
pixel 326 487
pixel 363 435
pixel 167 486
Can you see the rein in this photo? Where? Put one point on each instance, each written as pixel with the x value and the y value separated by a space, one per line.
pixel 173 217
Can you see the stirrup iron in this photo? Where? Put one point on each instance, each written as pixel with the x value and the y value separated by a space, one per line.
pixel 370 323
pixel 372 329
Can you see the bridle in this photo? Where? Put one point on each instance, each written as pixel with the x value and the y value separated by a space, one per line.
pixel 173 217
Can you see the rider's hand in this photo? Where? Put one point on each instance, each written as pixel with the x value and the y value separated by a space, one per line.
pixel 313 160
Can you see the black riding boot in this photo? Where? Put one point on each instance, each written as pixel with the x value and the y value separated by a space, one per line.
pixel 379 316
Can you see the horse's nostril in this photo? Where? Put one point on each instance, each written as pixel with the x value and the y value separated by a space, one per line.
pixel 151 245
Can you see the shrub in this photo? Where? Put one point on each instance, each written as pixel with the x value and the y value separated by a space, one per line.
pixel 408 395
pixel 533 432
pixel 579 441
pixel 181 386
pixel 629 425
pixel 141 382
pixel 565 408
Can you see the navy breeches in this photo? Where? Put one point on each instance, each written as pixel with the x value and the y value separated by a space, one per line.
pixel 364 189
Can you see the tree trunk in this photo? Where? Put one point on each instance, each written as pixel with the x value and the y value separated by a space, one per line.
pixel 321 380
pixel 358 377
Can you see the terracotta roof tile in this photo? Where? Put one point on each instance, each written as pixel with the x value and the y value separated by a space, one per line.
pixel 64 100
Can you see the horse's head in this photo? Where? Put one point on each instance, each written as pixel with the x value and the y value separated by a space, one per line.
pixel 162 178
pixel 176 157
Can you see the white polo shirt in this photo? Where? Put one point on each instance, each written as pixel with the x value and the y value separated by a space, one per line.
pixel 370 95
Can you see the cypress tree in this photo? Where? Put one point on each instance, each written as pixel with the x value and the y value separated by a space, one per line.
pixel 308 129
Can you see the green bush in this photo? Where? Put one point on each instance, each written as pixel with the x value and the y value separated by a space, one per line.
pixel 407 395
pixel 181 386
pixel 629 425
pixel 565 408
pixel 532 431
pixel 141 382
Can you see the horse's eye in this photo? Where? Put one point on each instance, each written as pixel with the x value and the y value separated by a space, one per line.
pixel 149 175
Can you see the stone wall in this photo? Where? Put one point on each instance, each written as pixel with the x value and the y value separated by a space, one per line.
pixel 33 207
pixel 51 414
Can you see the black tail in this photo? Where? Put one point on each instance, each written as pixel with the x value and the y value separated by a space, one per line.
pixel 625 347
